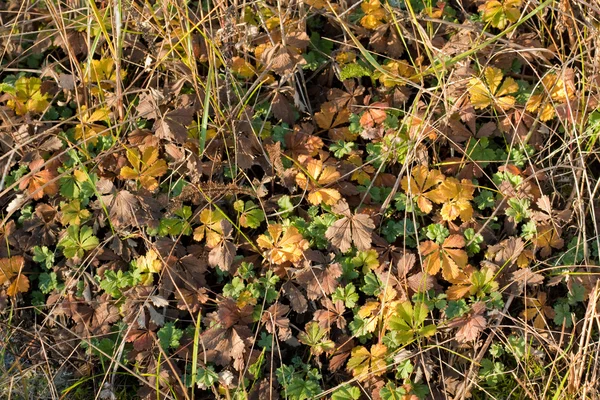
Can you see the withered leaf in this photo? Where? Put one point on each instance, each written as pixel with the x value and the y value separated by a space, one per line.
pixel 275 320
pixel 350 229
pixel 296 298
pixel 173 125
pixel 222 256
pixel 320 281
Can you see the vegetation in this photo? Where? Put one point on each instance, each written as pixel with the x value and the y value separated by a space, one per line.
pixel 363 199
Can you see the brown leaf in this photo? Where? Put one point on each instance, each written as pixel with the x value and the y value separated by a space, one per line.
pixel 296 298
pixel 274 319
pixel 355 229
pixel 332 314
pixel 222 256
pixel 173 124
pixel 320 281
pixel 470 326
pixel 282 108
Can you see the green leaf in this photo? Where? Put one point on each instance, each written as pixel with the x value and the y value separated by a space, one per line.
pixel 518 209
pixel 316 338
pixel 372 284
pixel 576 294
pixel 205 377
pixel 169 336
pixel 301 389
pixel 563 315
pixel 251 215
pixel 346 294
pixel 391 392
pixel 485 199
pixel 113 282
pixel 456 308
pixel 408 322
pixel 354 70
pixel 341 148
pixel 474 241
pixel 42 255
pixel 47 282
pixel 285 205
pixel 437 232
pixel 346 393
pixel 78 241
pixel 516 345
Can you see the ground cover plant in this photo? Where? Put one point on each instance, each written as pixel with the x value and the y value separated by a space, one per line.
pixel 376 199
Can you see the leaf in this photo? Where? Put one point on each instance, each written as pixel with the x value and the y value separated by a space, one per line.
pixel 562 315
pixel 456 196
pixel 211 227
pixel 11 272
pixel 169 336
pixel 72 213
pixel 145 167
pixel 222 255
pixel 302 389
pixel 320 281
pixel 449 257
pixel 40 181
pixel 28 97
pixel 488 91
pixel 10 267
pixel 346 393
pixel 536 308
pixel 500 13
pixel 283 246
pixel 350 229
pixel 548 237
pixel 251 215
pixel 316 338
pixel 374 14
pixel 242 68
pixel 77 241
pixel 275 320
pixel 319 175
pixel 408 322
pixel 364 362
pixel 173 125
pixel 421 186
pixel 472 325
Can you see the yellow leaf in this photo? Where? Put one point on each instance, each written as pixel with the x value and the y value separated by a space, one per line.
pixel 499 14
pixel 19 285
pixel 320 175
pixel 28 96
pixel 421 186
pixel 449 257
pixel 146 167
pixel 455 195
pixel 242 68
pixel 211 227
pixel 150 262
pixel 9 267
pixel 282 247
pixel 362 362
pixel 490 91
